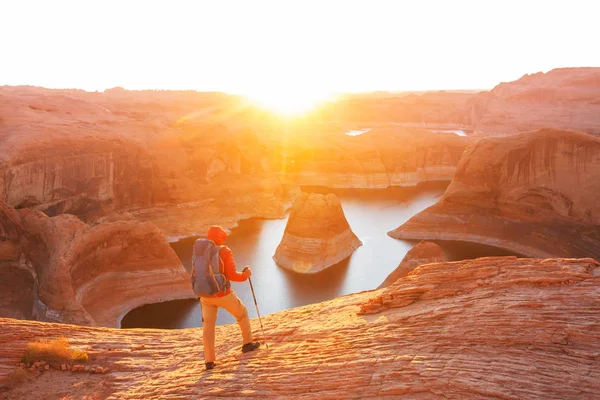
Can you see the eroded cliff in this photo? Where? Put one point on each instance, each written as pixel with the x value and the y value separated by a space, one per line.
pixel 533 193
pixel 379 158
pixel 563 98
pixel 61 269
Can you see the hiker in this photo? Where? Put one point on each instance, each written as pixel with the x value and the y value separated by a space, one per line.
pixel 212 269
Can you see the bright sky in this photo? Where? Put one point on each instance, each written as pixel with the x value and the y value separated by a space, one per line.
pixel 253 46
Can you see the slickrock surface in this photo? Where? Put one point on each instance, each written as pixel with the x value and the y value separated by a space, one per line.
pixel 422 253
pixel 317 235
pixel 492 328
pixel 61 269
pixel 535 194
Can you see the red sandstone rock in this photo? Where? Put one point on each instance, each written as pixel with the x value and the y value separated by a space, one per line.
pixel 422 253
pixel 535 194
pixel 89 274
pixel 380 158
pixel 563 98
pixel 316 236
pixel 530 332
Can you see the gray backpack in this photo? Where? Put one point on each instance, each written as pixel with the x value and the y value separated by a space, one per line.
pixel 207 278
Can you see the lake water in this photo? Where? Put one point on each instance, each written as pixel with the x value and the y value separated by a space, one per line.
pixel 458 132
pixel 357 132
pixel 371 213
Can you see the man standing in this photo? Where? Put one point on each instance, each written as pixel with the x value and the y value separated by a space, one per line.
pixel 225 298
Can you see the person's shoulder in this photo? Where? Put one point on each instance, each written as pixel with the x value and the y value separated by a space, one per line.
pixel 224 249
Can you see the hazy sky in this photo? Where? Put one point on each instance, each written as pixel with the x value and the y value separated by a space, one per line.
pixel 304 46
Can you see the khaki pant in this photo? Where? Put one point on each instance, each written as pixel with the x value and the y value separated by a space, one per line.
pixel 210 309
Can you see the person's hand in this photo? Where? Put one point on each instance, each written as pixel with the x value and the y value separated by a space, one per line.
pixel 247 272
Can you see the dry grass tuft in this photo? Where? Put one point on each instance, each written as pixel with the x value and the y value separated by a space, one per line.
pixel 53 351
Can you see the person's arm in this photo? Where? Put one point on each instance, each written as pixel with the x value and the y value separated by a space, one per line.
pixel 229 266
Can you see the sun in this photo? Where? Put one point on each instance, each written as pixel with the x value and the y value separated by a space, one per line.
pixel 289 102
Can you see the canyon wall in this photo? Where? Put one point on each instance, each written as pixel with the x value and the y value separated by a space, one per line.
pixel 533 193
pixel 83 176
pixel 61 269
pixel 501 328
pixel 563 98
pixel 379 158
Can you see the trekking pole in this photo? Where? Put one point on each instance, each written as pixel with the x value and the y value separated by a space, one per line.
pixel 257 312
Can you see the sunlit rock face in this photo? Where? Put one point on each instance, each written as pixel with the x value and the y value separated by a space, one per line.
pixel 167 157
pixel 61 269
pixel 379 158
pixel 535 194
pixel 316 236
pixel 490 328
pixel 564 98
pixel 423 253
pixel 77 175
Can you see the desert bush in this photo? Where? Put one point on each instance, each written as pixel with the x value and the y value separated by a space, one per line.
pixel 53 351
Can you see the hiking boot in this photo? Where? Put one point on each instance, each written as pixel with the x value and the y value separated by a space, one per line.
pixel 250 346
pixel 210 365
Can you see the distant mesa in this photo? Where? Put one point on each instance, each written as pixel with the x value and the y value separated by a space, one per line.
pixel 535 194
pixel 423 253
pixel 317 235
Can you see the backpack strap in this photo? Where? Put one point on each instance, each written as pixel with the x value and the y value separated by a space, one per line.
pixel 207 257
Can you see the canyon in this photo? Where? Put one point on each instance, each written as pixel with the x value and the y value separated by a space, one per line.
pixel 98 174
pixel 486 328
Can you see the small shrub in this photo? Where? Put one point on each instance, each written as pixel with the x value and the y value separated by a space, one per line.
pixel 53 351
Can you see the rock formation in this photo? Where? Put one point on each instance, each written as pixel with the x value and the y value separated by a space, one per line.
pixel 488 328
pixel 535 194
pixel 153 154
pixel 564 98
pixel 422 253
pixel 164 155
pixel 61 269
pixel 317 235
pixel 380 158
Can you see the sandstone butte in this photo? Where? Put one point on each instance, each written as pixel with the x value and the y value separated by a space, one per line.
pixel 63 270
pixel 422 253
pixel 535 194
pixel 317 235
pixel 491 328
